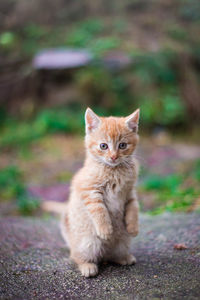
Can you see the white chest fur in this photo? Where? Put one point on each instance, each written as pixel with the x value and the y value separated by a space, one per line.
pixel 115 194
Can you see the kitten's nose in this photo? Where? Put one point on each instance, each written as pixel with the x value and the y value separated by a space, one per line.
pixel 113 157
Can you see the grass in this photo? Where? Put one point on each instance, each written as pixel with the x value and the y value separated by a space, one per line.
pixel 12 187
pixel 17 134
pixel 175 192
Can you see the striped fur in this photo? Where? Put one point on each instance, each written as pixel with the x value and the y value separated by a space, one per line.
pixel 102 212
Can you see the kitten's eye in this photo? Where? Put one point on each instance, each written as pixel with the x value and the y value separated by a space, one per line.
pixel 122 145
pixel 103 146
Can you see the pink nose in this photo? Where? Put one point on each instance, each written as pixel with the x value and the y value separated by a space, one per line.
pixel 113 157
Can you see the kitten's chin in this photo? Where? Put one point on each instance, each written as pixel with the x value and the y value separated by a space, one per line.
pixel 112 164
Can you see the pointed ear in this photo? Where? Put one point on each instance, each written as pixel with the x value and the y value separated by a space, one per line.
pixel 92 121
pixel 133 120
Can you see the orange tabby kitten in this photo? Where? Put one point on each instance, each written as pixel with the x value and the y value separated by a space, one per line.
pixel 102 213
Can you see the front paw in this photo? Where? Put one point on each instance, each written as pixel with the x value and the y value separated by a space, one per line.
pixel 104 231
pixel 132 229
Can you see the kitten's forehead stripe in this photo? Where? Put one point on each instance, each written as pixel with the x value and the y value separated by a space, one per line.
pixel 113 128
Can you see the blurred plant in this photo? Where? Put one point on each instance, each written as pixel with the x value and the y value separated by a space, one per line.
pixel 10 182
pixel 157 78
pixel 87 35
pixel 12 187
pixel 51 121
pixel 121 92
pixel 31 37
pixel 174 192
pixel 109 93
pixel 7 39
pixel 8 42
pixel 34 31
pixel 101 45
pixel 196 172
pixel 15 133
pixel 177 33
pixel 94 83
pixel 155 67
pixel 168 110
pixel 84 32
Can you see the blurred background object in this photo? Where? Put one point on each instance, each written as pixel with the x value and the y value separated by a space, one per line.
pixel 58 57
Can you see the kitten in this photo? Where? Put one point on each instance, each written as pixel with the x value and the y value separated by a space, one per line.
pixel 102 213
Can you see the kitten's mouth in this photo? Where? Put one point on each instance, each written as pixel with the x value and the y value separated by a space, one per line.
pixel 113 164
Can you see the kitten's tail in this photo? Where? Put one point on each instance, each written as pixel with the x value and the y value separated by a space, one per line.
pixel 53 206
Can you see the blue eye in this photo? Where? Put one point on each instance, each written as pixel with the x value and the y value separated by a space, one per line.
pixel 103 146
pixel 122 145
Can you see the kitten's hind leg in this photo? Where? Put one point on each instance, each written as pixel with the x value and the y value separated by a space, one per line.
pixel 121 255
pixel 129 259
pixel 88 269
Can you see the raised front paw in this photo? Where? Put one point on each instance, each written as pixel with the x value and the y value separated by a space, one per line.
pixel 132 229
pixel 104 231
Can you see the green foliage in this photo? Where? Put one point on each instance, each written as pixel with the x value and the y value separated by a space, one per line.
pixel 3 116
pixel 177 33
pixel 26 41
pixel 158 93
pixel 12 187
pixel 172 192
pixel 8 42
pixel 18 134
pixel 103 44
pixel 87 35
pixel 169 183
pixel 180 201
pixel 7 39
pixel 27 205
pixel 10 183
pixel 196 173
pixel 93 82
pixel 32 37
pixel 167 110
pixel 51 121
pixel 108 92
pixel 155 67
pixel 34 31
pixel 84 33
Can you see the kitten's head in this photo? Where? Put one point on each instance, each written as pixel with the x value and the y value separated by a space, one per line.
pixel 111 140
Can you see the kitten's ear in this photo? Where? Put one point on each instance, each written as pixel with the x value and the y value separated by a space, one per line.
pixel 92 121
pixel 133 120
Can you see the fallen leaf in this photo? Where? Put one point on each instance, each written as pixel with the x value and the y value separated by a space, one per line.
pixel 180 246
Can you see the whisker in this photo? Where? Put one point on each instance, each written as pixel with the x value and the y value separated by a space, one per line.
pixel 139 158
pixel 136 156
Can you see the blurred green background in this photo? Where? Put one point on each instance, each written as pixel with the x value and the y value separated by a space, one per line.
pixel 144 53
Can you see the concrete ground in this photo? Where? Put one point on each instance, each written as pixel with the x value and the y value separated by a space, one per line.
pixel 35 265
